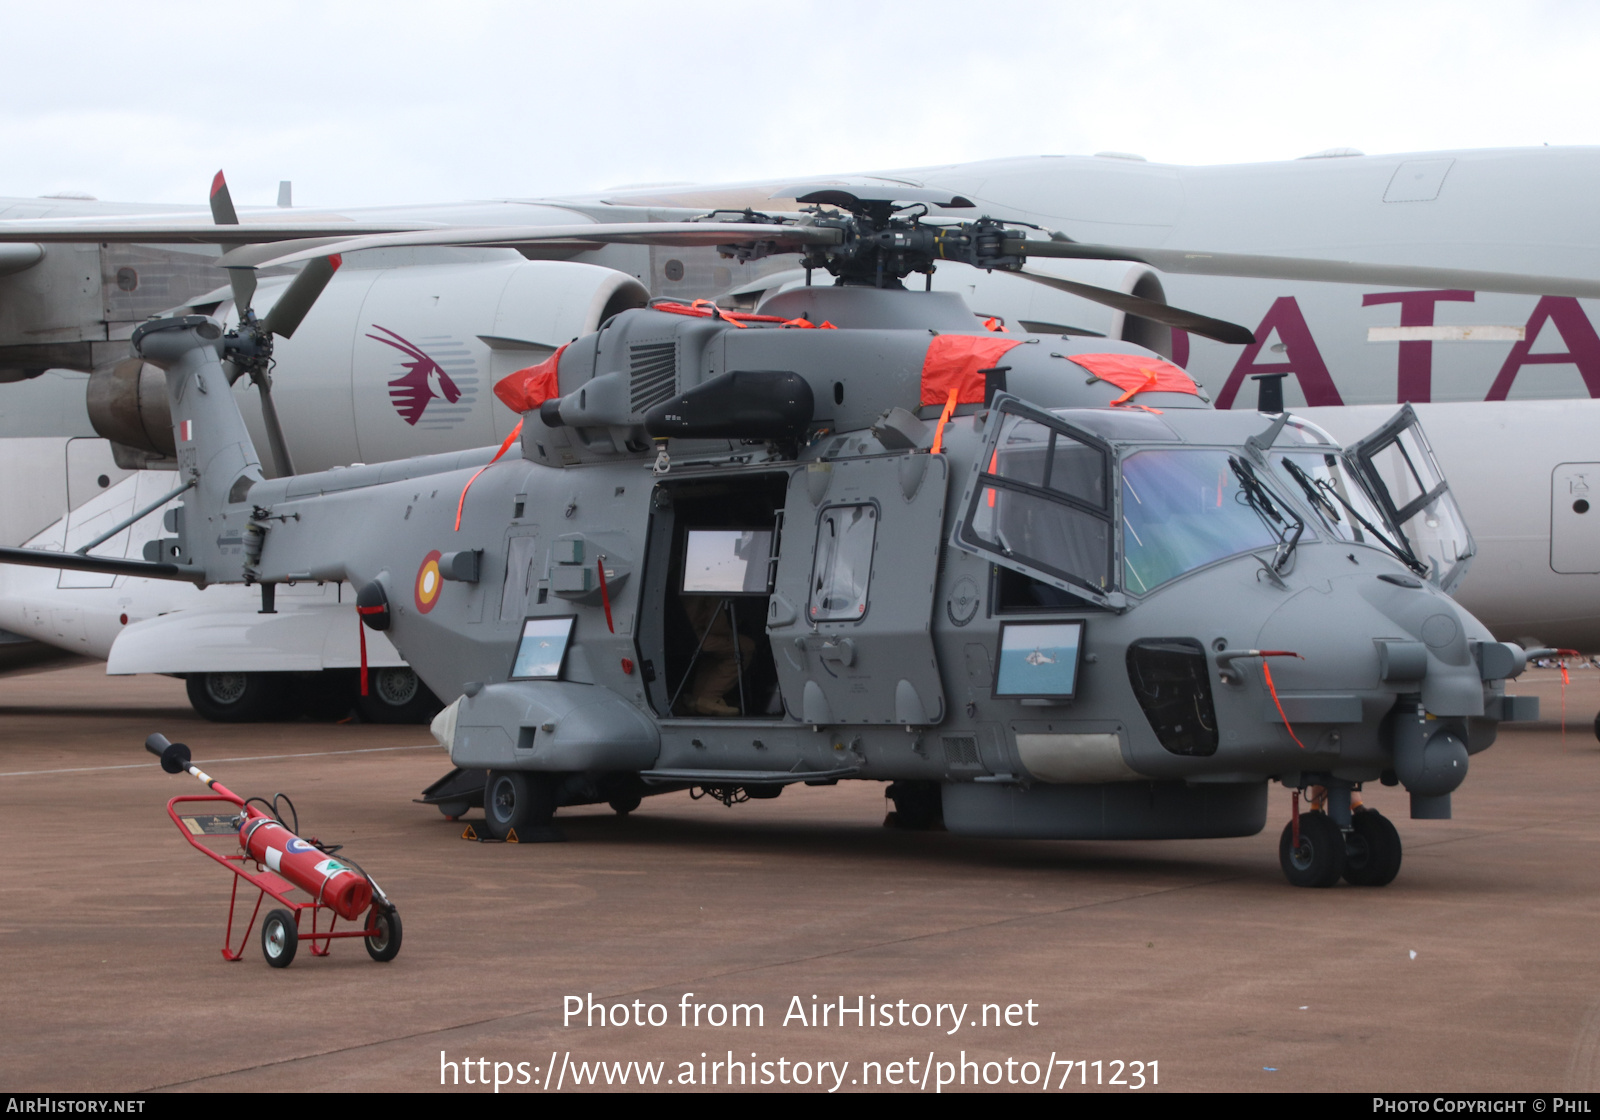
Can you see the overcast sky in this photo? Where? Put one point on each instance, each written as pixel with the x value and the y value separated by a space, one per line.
pixel 368 103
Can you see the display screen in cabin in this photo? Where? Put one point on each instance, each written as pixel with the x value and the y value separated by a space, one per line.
pixel 727 561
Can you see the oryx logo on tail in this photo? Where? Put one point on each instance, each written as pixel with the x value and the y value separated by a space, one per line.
pixel 422 382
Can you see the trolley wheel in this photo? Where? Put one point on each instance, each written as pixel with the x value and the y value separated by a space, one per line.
pixel 280 937
pixel 518 799
pixel 1372 850
pixel 385 944
pixel 1318 861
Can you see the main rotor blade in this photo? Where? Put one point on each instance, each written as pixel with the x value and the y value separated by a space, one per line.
pixel 275 441
pixel 1203 325
pixel 297 298
pixel 1264 267
pixel 684 234
pixel 222 211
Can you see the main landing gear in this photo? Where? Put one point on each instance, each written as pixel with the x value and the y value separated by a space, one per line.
pixel 1317 852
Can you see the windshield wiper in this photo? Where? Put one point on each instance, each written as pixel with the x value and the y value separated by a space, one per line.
pixel 1259 498
pixel 1317 490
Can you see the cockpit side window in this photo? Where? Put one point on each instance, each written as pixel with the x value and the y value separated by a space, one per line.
pixel 1398 469
pixel 1043 504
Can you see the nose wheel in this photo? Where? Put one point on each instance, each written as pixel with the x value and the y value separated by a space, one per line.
pixel 1372 850
pixel 1319 853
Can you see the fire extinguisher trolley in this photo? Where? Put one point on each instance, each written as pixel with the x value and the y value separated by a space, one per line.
pixel 277 862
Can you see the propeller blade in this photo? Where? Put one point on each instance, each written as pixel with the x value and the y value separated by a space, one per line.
pixel 275 441
pixel 222 211
pixel 284 318
pixel 1194 323
pixel 1264 267
pixel 243 282
pixel 684 234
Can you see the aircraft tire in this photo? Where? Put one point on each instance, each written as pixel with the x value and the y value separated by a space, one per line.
pixel 1372 850
pixel 396 695
pixel 1319 860
pixel 625 803
pixel 918 806
pixel 518 799
pixel 235 697
pixel 322 697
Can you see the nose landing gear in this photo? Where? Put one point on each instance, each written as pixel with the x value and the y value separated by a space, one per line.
pixel 1315 851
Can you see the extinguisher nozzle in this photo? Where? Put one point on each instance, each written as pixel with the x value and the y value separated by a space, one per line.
pixel 174 756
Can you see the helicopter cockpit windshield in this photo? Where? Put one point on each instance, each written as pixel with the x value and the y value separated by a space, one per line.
pixel 1047 506
pixel 1184 508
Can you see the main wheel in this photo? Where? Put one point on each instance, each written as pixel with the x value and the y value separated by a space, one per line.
pixel 396 695
pixel 1318 861
pixel 279 938
pixel 518 799
pixel 1372 850
pixel 320 697
pixel 235 697
pixel 625 803
pixel 385 944
pixel 918 806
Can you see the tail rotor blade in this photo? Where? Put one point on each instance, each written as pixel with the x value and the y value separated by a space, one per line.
pixel 1203 325
pixel 222 211
pixel 292 305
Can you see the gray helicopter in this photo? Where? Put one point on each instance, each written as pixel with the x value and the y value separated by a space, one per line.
pixel 1037 584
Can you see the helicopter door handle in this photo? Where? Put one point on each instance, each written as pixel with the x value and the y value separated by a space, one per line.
pixel 842 651
pixel 780 613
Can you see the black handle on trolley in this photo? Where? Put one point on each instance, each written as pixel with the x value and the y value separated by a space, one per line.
pixel 174 756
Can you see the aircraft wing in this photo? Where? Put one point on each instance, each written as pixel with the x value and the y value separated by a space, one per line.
pixel 1265 267
pixel 198 229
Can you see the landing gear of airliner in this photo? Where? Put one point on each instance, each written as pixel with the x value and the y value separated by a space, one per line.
pixel 394 695
pixel 236 697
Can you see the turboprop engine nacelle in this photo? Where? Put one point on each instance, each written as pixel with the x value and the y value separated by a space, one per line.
pixel 401 359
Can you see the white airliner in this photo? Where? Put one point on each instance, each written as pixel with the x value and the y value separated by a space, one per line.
pixel 370 375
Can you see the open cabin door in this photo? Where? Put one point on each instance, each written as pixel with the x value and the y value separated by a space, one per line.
pixel 1397 467
pixel 850 616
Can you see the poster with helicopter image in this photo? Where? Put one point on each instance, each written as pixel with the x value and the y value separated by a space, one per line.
pixel 1038 659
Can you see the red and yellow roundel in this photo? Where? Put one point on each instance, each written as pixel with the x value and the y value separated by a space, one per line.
pixel 428 582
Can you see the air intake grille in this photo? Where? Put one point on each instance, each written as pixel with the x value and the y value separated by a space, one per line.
pixel 961 751
pixel 654 374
